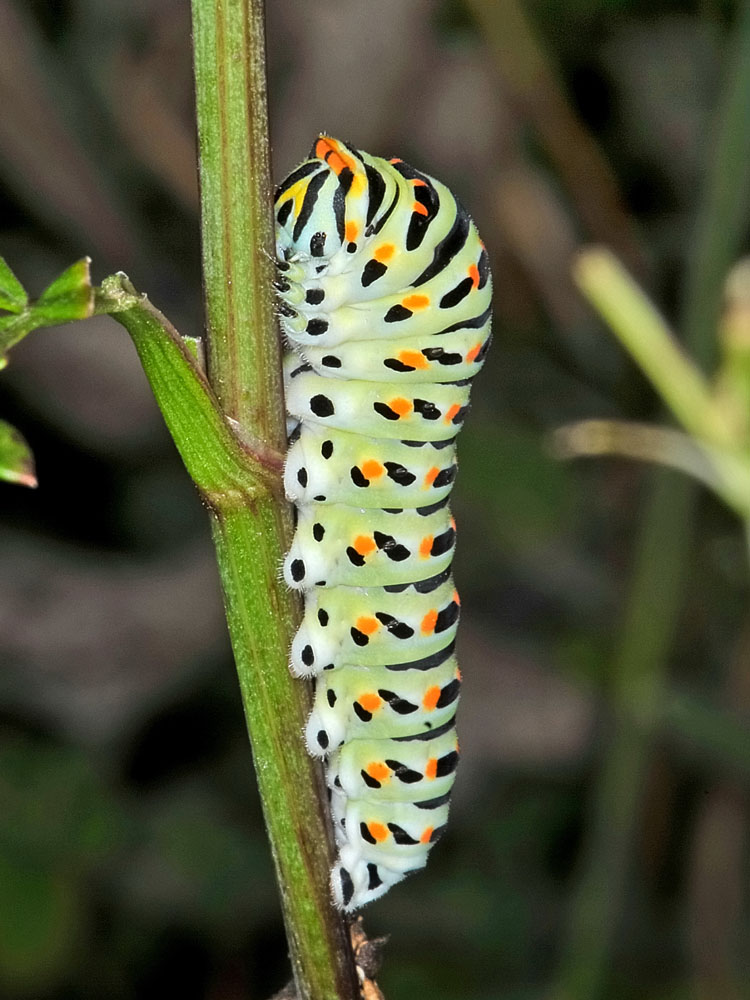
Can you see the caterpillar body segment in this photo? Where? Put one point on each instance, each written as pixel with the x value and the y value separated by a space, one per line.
pixel 412 360
pixel 353 704
pixel 428 412
pixel 399 771
pixel 368 472
pixel 358 547
pixel 375 626
pixel 385 293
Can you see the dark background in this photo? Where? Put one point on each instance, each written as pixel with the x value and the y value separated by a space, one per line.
pixel 133 861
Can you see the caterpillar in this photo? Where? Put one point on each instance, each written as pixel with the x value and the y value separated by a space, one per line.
pixel 384 295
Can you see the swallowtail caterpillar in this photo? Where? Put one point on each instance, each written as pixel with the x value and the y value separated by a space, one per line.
pixel 385 295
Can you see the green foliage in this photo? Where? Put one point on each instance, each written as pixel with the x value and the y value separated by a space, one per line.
pixel 69 297
pixel 58 824
pixel 13 298
pixel 40 926
pixel 16 459
pixel 716 449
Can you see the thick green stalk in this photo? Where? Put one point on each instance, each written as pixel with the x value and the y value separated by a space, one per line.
pixel 639 668
pixel 225 470
pixel 251 536
pixel 292 790
pixel 236 222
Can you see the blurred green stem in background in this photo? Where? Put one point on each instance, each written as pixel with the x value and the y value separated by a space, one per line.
pixel 716 447
pixel 639 668
pixel 644 333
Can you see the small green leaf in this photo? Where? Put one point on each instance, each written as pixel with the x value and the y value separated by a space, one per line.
pixel 8 323
pixel 16 460
pixel 69 297
pixel 14 327
pixel 12 295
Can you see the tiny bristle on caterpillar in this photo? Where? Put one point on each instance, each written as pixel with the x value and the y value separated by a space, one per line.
pixel 385 301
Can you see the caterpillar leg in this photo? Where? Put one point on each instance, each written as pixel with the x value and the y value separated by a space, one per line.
pixel 356 882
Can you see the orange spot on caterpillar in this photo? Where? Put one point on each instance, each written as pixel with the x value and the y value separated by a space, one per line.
pixel 384 252
pixel 428 625
pixel 426 834
pixel 335 162
pixel 456 598
pixel 415 359
pixel 380 771
pixel 473 352
pixel 415 302
pixel 425 546
pixel 459 675
pixel 329 150
pixel 450 414
pixel 453 523
pixel 378 831
pixel 419 209
pixel 430 772
pixel 474 275
pixel 370 702
pixel 429 479
pixel 322 148
pixel 368 626
pixel 351 232
pixel 371 469
pixel 431 696
pixel 418 182
pixel 396 159
pixel 364 545
pixel 400 405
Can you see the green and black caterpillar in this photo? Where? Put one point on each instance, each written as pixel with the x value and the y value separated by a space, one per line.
pixel 385 294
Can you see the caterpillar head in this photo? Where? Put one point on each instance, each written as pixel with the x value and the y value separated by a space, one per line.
pixel 321 208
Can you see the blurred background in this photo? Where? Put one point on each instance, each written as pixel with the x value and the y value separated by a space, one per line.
pixel 598 838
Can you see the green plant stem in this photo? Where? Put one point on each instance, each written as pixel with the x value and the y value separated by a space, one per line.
pixel 723 211
pixel 236 222
pixel 662 550
pixel 726 473
pixel 224 469
pixel 644 333
pixel 292 791
pixel 244 370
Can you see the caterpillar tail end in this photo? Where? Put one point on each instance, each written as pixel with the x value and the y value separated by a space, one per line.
pixel 352 887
